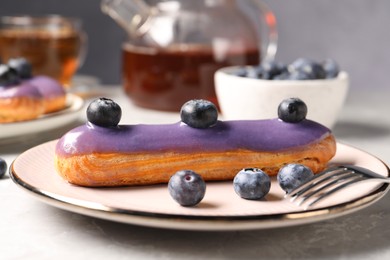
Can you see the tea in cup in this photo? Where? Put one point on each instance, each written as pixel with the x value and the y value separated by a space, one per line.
pixel 54 45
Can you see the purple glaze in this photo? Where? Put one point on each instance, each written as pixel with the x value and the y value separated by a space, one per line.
pixel 256 135
pixel 23 89
pixel 47 86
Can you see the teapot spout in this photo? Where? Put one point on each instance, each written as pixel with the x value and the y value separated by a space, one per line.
pixel 131 15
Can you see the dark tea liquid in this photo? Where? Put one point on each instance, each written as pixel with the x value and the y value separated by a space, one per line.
pixel 165 80
pixel 53 54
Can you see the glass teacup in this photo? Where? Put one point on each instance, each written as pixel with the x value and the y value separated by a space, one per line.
pixel 54 45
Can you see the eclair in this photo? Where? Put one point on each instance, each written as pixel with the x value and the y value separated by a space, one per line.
pixel 52 91
pixel 115 155
pixel 24 97
pixel 20 102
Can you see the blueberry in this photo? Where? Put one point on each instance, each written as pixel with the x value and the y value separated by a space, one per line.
pixel 299 75
pixel 22 66
pixel 312 69
pixel 299 64
pixel 187 188
pixel 8 75
pixel 292 176
pixel 318 71
pixel 331 68
pixel 255 72
pixel 292 110
pixel 251 183
pixel 283 76
pixel 199 113
pixel 272 68
pixel 3 167
pixel 104 112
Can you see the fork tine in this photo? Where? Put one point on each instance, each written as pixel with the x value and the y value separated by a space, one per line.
pixel 335 181
pixel 364 171
pixel 317 179
pixel 329 182
pixel 317 182
pixel 328 193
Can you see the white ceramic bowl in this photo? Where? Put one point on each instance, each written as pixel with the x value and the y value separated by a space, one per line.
pixel 248 98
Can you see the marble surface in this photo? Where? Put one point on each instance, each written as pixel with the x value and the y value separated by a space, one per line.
pixel 30 229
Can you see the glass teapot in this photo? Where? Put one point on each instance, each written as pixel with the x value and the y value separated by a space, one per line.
pixel 174 47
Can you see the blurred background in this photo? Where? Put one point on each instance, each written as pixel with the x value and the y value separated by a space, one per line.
pixel 353 32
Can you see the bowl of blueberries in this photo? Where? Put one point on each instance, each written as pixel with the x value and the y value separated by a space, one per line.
pixel 253 92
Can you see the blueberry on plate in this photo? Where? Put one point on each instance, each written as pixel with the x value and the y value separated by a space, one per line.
pixel 293 175
pixel 22 66
pixel 199 113
pixel 292 110
pixel 3 167
pixel 251 183
pixel 8 75
pixel 187 188
pixel 104 112
pixel 331 68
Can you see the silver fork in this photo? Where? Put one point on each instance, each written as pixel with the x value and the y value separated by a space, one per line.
pixel 330 181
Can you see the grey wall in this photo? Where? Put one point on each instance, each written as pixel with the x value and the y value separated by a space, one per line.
pixel 354 32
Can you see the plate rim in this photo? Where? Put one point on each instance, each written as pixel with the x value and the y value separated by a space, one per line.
pixel 202 222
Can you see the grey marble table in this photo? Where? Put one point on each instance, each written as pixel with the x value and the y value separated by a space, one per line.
pixel 30 229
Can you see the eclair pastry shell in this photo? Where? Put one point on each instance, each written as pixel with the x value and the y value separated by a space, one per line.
pixel 20 109
pixel 54 104
pixel 117 169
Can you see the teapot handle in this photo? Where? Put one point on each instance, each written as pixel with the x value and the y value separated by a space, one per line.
pixel 272 33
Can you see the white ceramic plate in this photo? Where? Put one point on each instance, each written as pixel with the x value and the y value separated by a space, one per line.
pixel 221 208
pixel 45 122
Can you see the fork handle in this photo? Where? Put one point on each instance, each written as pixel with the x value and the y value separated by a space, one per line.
pixel 368 172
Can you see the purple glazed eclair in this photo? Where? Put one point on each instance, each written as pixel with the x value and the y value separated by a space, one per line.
pixel 92 156
pixel 20 102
